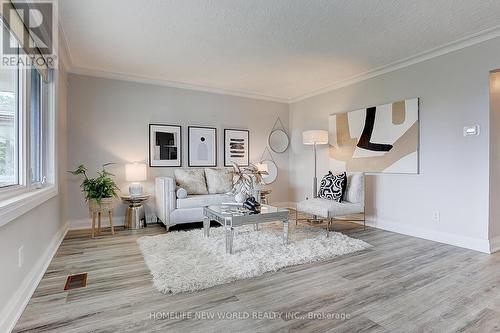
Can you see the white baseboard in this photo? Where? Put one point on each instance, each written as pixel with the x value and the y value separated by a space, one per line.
pixel 284 204
pixel 481 245
pixel 118 221
pixel 78 224
pixel 495 244
pixel 17 303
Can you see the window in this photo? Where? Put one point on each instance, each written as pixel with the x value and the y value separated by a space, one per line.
pixel 9 127
pixel 36 121
pixel 24 128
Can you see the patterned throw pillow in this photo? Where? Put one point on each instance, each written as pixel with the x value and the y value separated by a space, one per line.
pixel 332 186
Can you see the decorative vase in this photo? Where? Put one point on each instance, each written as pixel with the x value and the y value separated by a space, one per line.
pixel 240 197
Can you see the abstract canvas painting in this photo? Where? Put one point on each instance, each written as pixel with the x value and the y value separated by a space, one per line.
pixel 236 147
pixel 381 138
pixel 202 146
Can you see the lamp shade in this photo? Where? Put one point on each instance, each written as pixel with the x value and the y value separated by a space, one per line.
pixel 135 172
pixel 319 137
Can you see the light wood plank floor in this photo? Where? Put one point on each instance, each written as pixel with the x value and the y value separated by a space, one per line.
pixel 402 284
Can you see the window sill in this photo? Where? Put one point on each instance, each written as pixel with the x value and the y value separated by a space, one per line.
pixel 12 208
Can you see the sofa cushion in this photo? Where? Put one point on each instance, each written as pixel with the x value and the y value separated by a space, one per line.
pixel 197 201
pixel 219 181
pixel 328 208
pixel 192 180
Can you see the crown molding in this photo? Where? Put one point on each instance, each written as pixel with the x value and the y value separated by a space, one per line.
pixel 64 52
pixel 418 58
pixel 459 44
pixel 174 84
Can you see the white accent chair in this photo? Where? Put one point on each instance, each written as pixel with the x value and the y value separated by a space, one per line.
pixel 353 202
pixel 171 211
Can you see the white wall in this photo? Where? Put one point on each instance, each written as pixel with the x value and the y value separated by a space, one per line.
pixel 39 231
pixel 108 121
pixel 454 170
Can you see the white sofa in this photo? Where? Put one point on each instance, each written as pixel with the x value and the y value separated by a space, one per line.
pixel 171 211
pixel 353 201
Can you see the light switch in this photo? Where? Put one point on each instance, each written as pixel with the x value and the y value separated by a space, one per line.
pixel 471 130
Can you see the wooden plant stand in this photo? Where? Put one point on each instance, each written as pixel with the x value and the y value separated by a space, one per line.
pixel 96 210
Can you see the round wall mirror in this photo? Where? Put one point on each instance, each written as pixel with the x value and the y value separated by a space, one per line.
pixel 272 171
pixel 278 141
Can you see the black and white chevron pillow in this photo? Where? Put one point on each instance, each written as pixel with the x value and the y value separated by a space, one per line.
pixel 332 186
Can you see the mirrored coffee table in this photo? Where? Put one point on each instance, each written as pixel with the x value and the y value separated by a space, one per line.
pixel 231 216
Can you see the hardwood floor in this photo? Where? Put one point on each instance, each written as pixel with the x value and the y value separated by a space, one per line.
pixel 402 284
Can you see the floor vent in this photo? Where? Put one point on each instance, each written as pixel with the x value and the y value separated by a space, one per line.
pixel 76 281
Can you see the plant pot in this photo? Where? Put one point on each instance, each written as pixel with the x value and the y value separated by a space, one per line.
pixel 106 204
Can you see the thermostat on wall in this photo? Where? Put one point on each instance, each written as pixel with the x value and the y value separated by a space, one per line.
pixel 471 130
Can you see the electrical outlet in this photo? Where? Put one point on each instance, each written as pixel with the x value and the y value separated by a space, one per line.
pixel 436 216
pixel 20 256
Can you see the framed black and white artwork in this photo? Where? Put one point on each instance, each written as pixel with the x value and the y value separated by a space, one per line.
pixel 165 148
pixel 236 147
pixel 202 146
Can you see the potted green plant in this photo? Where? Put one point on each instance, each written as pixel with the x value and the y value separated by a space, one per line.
pixel 99 191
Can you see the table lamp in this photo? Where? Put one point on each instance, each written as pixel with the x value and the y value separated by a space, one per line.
pixel 135 173
pixel 315 137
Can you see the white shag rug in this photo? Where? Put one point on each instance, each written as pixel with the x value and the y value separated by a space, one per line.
pixel 186 261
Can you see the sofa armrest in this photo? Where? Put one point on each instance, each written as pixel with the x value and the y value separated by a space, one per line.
pixel 165 198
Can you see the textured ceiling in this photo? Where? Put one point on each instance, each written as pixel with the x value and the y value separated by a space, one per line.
pixel 279 48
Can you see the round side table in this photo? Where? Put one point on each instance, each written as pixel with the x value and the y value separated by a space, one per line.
pixel 135 218
pixel 263 196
